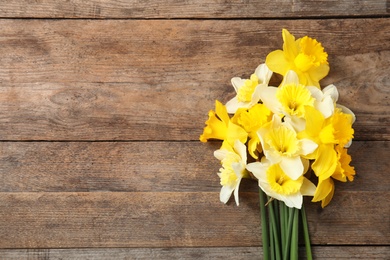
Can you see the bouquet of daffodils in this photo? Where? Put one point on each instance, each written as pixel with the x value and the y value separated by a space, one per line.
pixel 292 138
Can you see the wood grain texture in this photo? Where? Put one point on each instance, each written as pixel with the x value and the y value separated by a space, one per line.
pixel 157 79
pixel 176 219
pixel 225 253
pixel 191 9
pixel 149 167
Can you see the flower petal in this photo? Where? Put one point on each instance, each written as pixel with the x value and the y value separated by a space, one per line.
pixel 289 45
pixel 263 73
pixel 326 161
pixel 331 91
pixel 308 146
pixel 240 148
pixel 291 78
pixel 259 170
pixel 293 201
pixel 292 167
pixel 233 105
pixel 226 193
pixel 277 62
pixel 237 83
pixel 268 96
pixel 308 188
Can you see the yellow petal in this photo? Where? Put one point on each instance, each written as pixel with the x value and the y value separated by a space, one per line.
pixel 277 62
pixel 235 132
pixel 325 188
pixel 325 164
pixel 290 47
pixel 221 112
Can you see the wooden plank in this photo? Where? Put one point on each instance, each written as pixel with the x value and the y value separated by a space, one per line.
pixel 82 80
pixel 149 166
pixel 178 219
pixel 191 9
pixel 236 253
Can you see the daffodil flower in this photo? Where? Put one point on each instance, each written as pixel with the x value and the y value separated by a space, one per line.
pixel 248 90
pixel 289 100
pixel 251 120
pixel 277 184
pixel 233 160
pixel 335 130
pixel 282 146
pixel 305 56
pixel 219 126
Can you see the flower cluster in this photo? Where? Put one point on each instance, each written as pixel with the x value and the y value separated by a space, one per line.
pixel 286 131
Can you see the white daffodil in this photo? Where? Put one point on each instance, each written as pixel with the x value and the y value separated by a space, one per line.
pixel 282 146
pixel 278 185
pixel 248 90
pixel 233 160
pixel 289 100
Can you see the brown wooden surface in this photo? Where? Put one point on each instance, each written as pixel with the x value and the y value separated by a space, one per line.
pixel 191 9
pixel 233 253
pixel 99 121
pixel 78 80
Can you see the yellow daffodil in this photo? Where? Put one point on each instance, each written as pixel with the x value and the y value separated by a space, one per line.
pixel 282 146
pixel 305 56
pixel 233 160
pixel 335 130
pixel 251 120
pixel 277 184
pixel 248 90
pixel 289 100
pixel 219 126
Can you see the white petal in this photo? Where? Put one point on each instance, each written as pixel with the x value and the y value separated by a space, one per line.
pixel 221 154
pixel 308 146
pixel 256 96
pixel 236 194
pixel 316 93
pixel 263 73
pixel 240 149
pixel 297 124
pixel 290 78
pixel 326 106
pixel 258 169
pixel 232 105
pixel 293 201
pixel 238 170
pixel 306 164
pixel 237 83
pixel 292 166
pixel 331 91
pixel 268 96
pixel 226 192
pixel 307 188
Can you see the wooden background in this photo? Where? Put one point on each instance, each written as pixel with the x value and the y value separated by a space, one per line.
pixel 102 103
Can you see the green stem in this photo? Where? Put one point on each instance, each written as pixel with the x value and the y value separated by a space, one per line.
pixel 271 237
pixel 294 237
pixel 283 225
pixel 306 234
pixel 264 226
pixel 273 226
pixel 289 231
